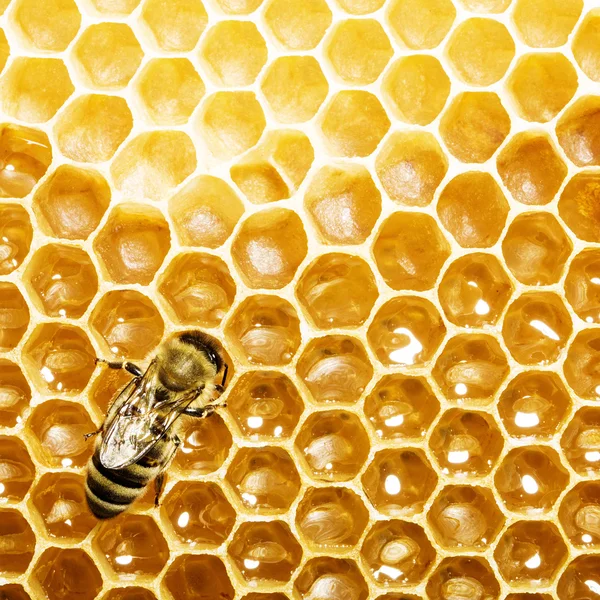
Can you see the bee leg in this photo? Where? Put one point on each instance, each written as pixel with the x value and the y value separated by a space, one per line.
pixel 128 366
pixel 87 436
pixel 205 411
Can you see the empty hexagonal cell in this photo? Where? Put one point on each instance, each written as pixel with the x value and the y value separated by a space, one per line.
pixel 531 168
pixel 353 123
pixel 580 287
pixel 406 331
pixel 295 88
pixel 233 53
pixel 337 290
pixel 331 518
pixel 463 577
pixel 196 575
pixel 530 552
pixel 581 365
pixel 18 541
pixel 265 551
pixel 401 407
pixel 269 247
pixel 332 578
pixel 474 290
pixel 153 164
pixel 129 593
pixel 133 243
pixel 421 24
pixel 33 89
pixel 16 234
pixel 265 330
pixel 169 89
pixel 15 393
pixel 59 428
pixel 410 250
pixel 59 358
pixel 530 479
pixel 465 518
pixel 579 578
pixel 466 443
pixel 586 43
pixel 534 403
pixel 578 206
pixel 16 469
pixel 46 25
pixel 231 123
pixel 26 155
pixel 298 24
pixel 14 591
pixel 60 500
pixel 577 131
pixel 473 209
pixel 471 367
pixel 14 316
pixel 343 203
pixel 199 513
pixel 536 328
pixel 398 482
pixel 63 280
pixel 579 515
pixel 546 24
pixel 358 50
pixel 265 479
pixel 581 441
pixel 474 126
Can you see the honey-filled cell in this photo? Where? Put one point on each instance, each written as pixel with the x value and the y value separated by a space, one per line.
pixel 585 45
pixel 14 316
pixel 578 206
pixel 581 290
pixel 14 591
pixel 581 442
pixel 331 578
pixel 129 593
pixel 194 576
pixel 15 393
pixel 579 515
pixel 579 577
pixel 463 577
pixel 17 471
pixel 581 366
pixel 577 131
pixel 18 540
pixel 16 234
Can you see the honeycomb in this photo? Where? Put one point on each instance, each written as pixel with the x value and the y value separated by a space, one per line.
pixel 388 213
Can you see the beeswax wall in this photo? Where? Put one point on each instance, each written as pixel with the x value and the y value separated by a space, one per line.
pixel 388 212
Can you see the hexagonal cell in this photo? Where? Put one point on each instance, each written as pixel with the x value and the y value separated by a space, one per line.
pixel 581 365
pixel 534 403
pixel 579 578
pixel 581 441
pixel 360 7
pixel 33 89
pixel 265 551
pixel 298 24
pixel 265 330
pixel 175 26
pixel 59 428
pixel 133 243
pixel 353 123
pixel 16 469
pixel 343 203
pixel 63 280
pixel 71 202
pixel 205 212
pixel 474 290
pixel 16 234
pixel 399 482
pixel 471 368
pixel 578 206
pixel 14 316
pixel 46 25
pixel 586 43
pixel 169 89
pixel 465 518
pixel 239 7
pixel 421 24
pixel 26 156
pixel 269 247
pixel 233 53
pixel 531 168
pixel 265 479
pixel 127 324
pixel 579 513
pixel 411 166
pixel 333 445
pixel 466 443
pixel 332 578
pixel 337 290
pixel 358 50
pixel 530 479
pixel 486 6
pixel 199 513
pixel 406 331
pixel 114 8
pixel 60 500
pixel 18 540
pixel 536 328
pixel 153 164
pixel 463 577
pixel 473 209
pixel 474 126
pixel 577 131
pixel 331 518
pixel 536 248
pixel 193 576
pixel 14 591
pixel 546 24
pixel 295 88
pixel 580 287
pixel 15 393
pixel 129 593
pixel 59 358
pixel 410 250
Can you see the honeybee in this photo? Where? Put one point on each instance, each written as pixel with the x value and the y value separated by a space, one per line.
pixel 139 437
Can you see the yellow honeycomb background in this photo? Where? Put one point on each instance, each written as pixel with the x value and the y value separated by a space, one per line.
pixel 388 211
